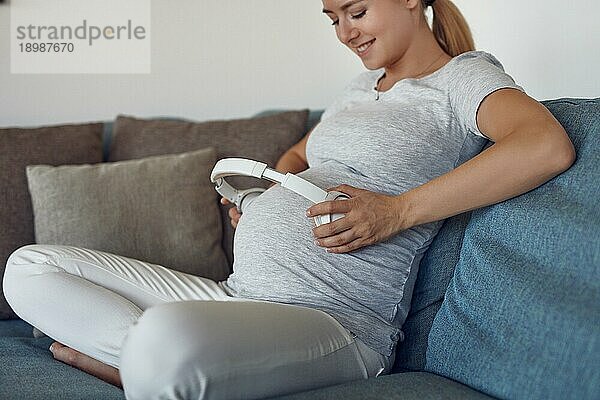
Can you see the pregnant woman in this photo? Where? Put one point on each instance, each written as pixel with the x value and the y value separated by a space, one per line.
pixel 309 307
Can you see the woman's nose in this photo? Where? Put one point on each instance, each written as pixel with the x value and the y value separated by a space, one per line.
pixel 347 32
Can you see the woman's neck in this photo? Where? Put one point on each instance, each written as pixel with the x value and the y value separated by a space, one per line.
pixel 423 57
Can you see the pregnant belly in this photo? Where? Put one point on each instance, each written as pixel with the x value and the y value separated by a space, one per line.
pixel 274 248
pixel 275 257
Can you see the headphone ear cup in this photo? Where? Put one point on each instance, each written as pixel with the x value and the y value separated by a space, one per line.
pixel 247 197
pixel 322 219
pixel 327 218
pixel 246 200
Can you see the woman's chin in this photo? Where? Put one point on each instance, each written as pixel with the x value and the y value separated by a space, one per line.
pixel 370 64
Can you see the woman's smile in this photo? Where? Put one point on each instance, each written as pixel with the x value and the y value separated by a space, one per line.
pixel 364 48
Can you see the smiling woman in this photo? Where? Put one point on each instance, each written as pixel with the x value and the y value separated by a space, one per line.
pixel 309 306
pixel 450 29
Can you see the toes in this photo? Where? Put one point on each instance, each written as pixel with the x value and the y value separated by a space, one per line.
pixel 64 353
pixel 55 346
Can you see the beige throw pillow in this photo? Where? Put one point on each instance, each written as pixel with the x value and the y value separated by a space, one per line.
pixel 159 209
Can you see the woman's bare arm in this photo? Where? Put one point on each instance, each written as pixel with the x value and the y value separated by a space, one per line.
pixel 294 160
pixel 530 148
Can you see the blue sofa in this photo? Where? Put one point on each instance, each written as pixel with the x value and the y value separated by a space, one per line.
pixel 506 302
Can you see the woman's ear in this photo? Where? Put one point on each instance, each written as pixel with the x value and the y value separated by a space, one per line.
pixel 411 4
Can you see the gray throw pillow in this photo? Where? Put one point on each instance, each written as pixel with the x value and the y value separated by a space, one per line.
pixel 19 147
pixel 158 209
pixel 263 138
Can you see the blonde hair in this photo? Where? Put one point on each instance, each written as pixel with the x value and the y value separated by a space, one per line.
pixel 450 27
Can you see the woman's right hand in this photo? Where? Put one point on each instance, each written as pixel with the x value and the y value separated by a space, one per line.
pixel 233 212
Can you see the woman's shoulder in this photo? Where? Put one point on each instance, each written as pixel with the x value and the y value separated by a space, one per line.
pixel 475 57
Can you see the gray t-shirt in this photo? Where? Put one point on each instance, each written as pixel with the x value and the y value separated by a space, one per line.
pixel 416 131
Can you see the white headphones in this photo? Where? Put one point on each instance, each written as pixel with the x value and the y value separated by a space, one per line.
pixel 242 198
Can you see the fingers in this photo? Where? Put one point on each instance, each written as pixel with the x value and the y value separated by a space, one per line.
pixel 235 216
pixel 348 239
pixel 332 228
pixel 341 236
pixel 335 206
pixel 336 241
pixel 347 189
pixel 329 207
pixel 348 247
pixel 233 213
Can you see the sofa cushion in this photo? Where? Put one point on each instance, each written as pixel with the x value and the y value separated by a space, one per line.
pixel 434 273
pixel 28 370
pixel 54 145
pixel 263 138
pixel 405 386
pixel 159 209
pixel 521 317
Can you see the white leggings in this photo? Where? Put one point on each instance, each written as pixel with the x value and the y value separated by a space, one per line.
pixel 156 325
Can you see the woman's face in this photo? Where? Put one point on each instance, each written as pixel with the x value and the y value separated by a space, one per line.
pixel 378 31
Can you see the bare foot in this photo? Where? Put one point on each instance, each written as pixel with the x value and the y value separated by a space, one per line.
pixel 86 364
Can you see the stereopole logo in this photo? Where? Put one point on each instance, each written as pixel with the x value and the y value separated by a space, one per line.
pixel 80 36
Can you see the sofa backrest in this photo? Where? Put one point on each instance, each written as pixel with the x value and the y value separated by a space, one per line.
pixel 521 315
pixel 23 146
pixel 434 274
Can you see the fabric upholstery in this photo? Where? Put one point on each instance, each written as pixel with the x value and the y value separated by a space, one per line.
pixel 261 138
pixel 19 147
pixel 405 386
pixel 28 370
pixel 26 359
pixel 159 209
pixel 435 271
pixel 521 315
pixel 107 134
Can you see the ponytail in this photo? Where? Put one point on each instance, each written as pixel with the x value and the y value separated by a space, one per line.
pixel 450 27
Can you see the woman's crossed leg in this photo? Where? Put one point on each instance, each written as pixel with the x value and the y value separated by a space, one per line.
pixel 92 301
pixel 87 299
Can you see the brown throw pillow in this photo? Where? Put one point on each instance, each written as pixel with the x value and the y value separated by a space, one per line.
pixel 19 147
pixel 261 138
pixel 159 209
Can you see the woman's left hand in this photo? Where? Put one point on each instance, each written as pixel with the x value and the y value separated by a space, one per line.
pixel 369 218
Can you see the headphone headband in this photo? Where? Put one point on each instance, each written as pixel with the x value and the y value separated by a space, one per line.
pixel 241 166
pixel 241 198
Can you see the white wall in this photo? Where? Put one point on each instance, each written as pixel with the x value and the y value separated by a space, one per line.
pixel 231 58
pixel 550 47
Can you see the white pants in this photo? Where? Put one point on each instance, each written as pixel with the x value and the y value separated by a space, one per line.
pixel 168 341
